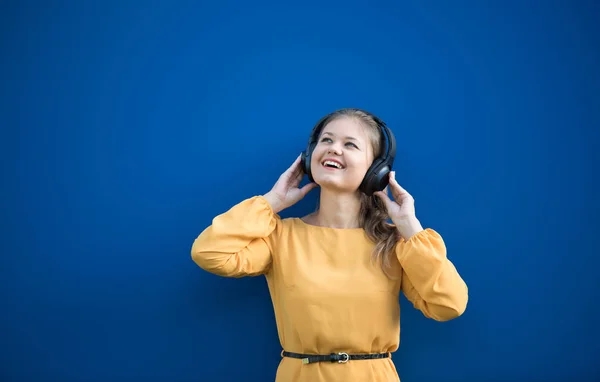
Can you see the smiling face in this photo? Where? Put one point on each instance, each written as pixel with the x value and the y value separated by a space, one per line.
pixel 343 154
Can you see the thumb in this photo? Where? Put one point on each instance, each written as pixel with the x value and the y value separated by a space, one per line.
pixel 306 189
pixel 384 198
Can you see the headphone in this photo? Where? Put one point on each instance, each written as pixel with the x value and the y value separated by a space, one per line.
pixel 377 176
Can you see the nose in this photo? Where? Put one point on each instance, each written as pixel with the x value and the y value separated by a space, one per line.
pixel 334 149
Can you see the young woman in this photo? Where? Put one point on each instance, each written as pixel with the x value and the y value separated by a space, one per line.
pixel 335 275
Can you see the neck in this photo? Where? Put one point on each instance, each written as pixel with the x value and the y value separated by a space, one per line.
pixel 338 210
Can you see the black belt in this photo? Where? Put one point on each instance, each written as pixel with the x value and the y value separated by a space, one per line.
pixel 333 357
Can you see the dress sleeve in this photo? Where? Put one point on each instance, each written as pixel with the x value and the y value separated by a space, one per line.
pixel 429 280
pixel 239 242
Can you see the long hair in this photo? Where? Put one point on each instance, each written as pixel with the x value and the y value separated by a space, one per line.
pixel 373 217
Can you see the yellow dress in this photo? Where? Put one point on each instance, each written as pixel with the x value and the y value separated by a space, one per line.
pixel 327 295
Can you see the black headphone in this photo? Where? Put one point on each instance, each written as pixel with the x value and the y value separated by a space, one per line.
pixel 377 176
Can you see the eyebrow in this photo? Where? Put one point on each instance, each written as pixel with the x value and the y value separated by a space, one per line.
pixel 347 137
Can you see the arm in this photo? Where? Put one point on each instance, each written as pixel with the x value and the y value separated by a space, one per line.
pixel 239 242
pixel 429 280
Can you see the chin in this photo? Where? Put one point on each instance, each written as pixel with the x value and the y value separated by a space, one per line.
pixel 336 185
pixel 345 180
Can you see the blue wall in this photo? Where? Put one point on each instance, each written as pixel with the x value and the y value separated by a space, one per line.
pixel 127 127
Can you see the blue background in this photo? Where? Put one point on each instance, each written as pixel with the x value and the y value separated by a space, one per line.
pixel 126 127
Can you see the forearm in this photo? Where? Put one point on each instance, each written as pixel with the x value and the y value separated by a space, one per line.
pixel 238 242
pixel 432 282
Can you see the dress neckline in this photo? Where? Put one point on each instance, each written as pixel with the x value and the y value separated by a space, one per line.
pixel 319 227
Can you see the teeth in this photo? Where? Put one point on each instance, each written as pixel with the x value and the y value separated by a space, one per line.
pixel 328 162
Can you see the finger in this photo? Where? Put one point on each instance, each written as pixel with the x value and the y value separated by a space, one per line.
pixel 387 192
pixel 292 172
pixel 384 198
pixel 306 189
pixel 395 183
pixel 397 190
pixel 299 171
pixel 296 167
pixel 393 189
pixel 294 164
pixel 295 181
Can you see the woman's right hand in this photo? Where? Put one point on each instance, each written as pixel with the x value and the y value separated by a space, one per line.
pixel 285 192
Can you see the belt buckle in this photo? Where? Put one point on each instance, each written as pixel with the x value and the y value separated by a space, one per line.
pixel 346 358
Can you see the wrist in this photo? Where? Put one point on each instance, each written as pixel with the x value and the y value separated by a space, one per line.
pixel 273 201
pixel 408 227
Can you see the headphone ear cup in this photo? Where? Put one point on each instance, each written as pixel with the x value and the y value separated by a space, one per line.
pixel 376 178
pixel 305 162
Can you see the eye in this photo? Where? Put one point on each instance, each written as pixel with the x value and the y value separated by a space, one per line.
pixel 352 144
pixel 326 140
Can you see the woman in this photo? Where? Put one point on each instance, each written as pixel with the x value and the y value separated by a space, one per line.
pixel 335 275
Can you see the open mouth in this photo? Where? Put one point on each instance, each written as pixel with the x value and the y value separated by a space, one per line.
pixel 332 164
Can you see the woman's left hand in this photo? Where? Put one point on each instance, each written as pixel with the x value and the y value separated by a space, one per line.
pixel 402 209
